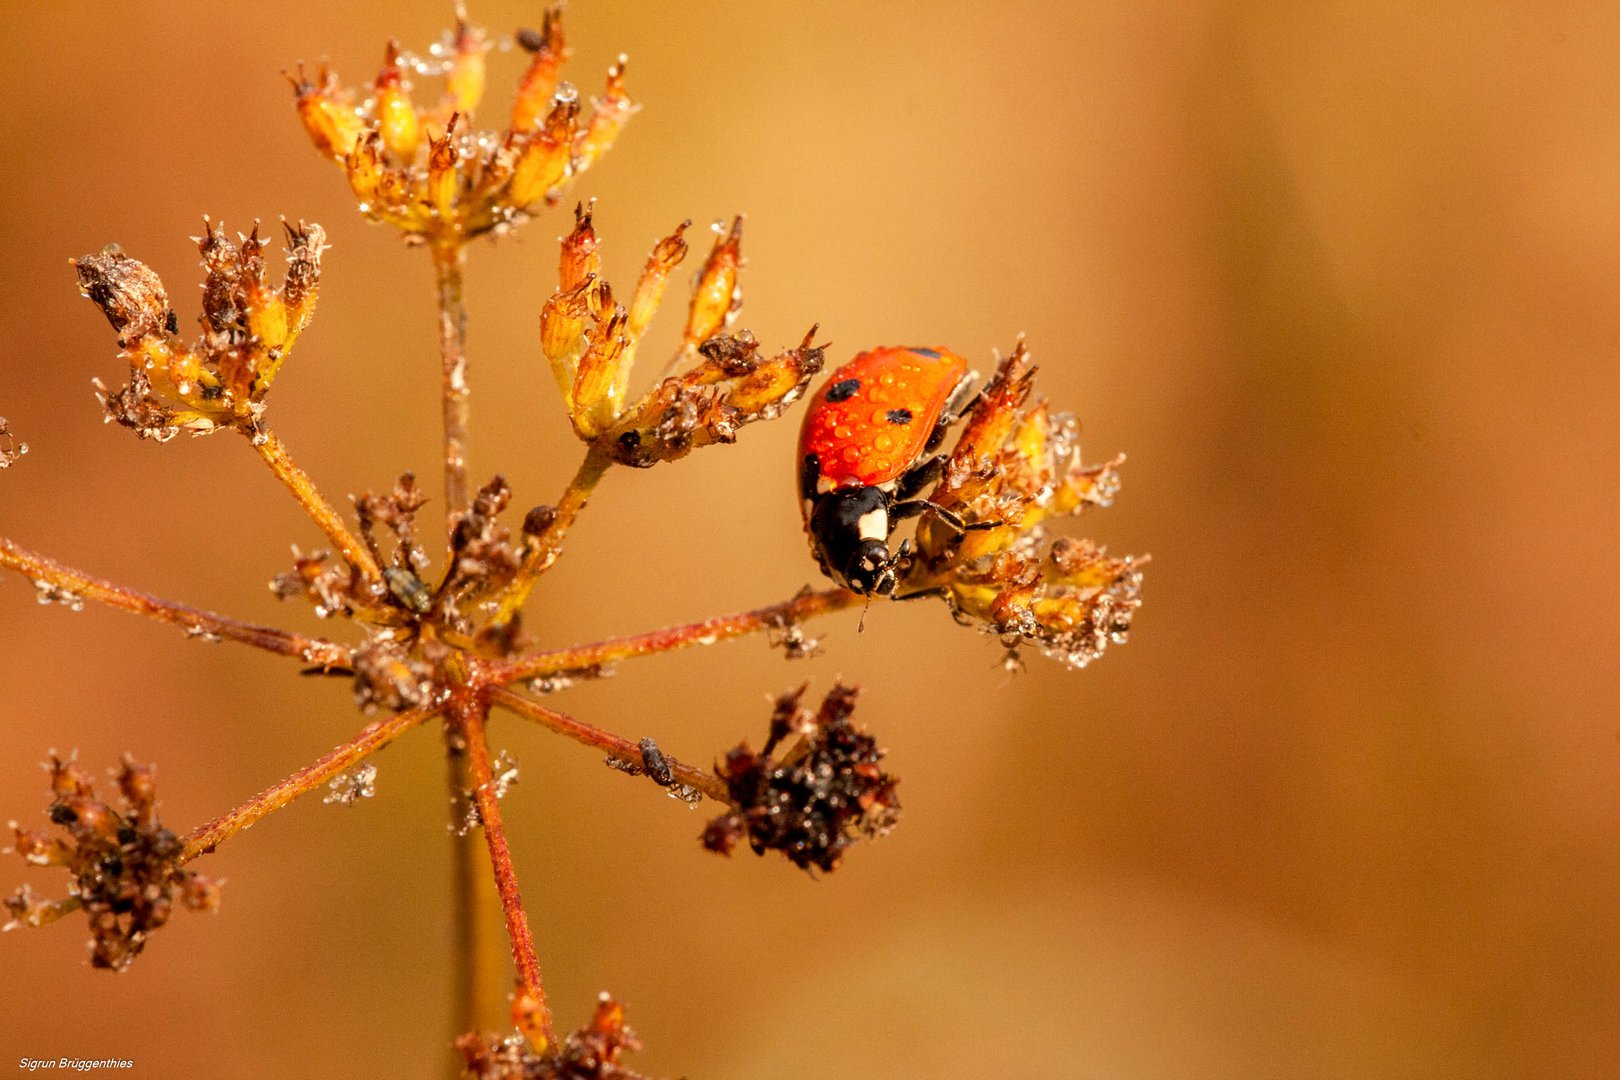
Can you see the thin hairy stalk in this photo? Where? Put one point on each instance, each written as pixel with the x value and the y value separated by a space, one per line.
pixel 613 745
pixel 274 453
pixel 476 952
pixel 49 574
pixel 470 715
pixel 543 550
pixel 584 657
pixel 449 259
pixel 372 738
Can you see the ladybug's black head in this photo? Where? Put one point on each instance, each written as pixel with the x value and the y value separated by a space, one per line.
pixel 849 529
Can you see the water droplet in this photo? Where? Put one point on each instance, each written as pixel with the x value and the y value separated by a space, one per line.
pixel 51 593
pixel 349 788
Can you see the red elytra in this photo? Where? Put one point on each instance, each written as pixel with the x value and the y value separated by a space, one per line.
pixel 871 420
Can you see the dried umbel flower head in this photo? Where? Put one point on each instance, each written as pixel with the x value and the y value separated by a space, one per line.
pixel 1016 465
pixel 591 1053
pixel 591 344
pixel 249 327
pixel 823 793
pixel 125 865
pixel 425 168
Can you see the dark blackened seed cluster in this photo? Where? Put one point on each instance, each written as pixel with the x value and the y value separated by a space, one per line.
pixel 125 864
pixel 591 1053
pixel 824 793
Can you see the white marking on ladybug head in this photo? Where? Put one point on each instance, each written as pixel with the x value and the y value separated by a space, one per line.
pixel 874 524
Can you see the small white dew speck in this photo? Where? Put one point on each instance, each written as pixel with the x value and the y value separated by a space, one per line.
pixel 349 788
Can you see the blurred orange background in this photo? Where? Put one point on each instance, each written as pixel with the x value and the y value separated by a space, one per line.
pixel 1338 277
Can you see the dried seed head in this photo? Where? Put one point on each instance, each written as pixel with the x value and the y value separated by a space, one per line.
pixel 125 865
pixel 1015 465
pixel 825 793
pixel 248 329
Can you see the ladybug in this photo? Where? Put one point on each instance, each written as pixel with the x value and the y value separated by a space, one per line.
pixel 868 447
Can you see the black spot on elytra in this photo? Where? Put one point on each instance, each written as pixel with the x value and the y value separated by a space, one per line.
pixel 899 416
pixel 932 354
pixel 843 391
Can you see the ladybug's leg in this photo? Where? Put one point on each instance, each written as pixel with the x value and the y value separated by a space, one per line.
pixel 912 507
pixel 918 477
pixel 963 398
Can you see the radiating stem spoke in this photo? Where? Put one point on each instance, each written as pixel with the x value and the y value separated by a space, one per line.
pixel 583 657
pixel 372 738
pixel 320 511
pixel 470 715
pixel 69 583
pixel 542 550
pixel 615 746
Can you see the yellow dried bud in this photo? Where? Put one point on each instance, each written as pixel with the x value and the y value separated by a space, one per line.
pixel 579 258
pixel 563 321
pixel 396 114
pixel 334 126
pixel 598 386
pixel 546 158
pixel 549 51
pixel 364 167
pixel 465 79
pixel 609 113
pixel 716 298
pixel 778 382
pixel 443 179
pixel 655 278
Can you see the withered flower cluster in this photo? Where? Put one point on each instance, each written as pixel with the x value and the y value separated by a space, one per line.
pixel 249 326
pixel 591 1053
pixel 591 343
pixel 125 865
pixel 825 792
pixel 426 170
pixel 1015 466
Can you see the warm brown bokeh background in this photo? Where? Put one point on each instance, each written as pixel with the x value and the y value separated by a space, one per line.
pixel 1340 280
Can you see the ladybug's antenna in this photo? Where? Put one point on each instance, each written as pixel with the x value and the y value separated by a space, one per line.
pixel 860 627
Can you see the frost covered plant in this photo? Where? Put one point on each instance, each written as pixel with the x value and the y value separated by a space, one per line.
pixel 434 612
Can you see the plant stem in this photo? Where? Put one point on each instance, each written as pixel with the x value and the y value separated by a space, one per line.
pixel 475 950
pixel 449 259
pixel 544 549
pixel 372 738
pixel 274 453
pixel 44 571
pixel 616 746
pixel 470 714
pixel 580 657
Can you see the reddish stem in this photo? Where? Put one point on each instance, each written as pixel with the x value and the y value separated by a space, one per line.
pixel 582 657
pixel 40 569
pixel 470 714
pixel 372 738
pixel 614 745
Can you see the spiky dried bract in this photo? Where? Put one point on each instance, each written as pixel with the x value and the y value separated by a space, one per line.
pixel 1014 466
pixel 591 1053
pixel 425 169
pixel 125 865
pixel 824 793
pixel 249 327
